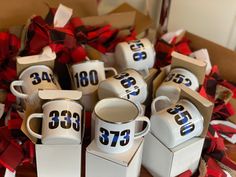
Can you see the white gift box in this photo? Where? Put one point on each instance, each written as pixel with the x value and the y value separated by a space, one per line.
pixel 127 164
pixel 161 161
pixel 58 160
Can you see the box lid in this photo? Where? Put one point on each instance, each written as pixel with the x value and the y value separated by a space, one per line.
pixel 121 158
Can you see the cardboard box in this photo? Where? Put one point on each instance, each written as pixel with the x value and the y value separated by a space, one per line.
pixel 58 160
pixel 51 158
pixel 162 161
pixel 127 164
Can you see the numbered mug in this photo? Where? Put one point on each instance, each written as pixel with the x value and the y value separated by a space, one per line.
pixel 61 122
pixel 115 120
pixel 137 54
pixel 87 75
pixel 177 76
pixel 176 123
pixel 128 84
pixel 32 79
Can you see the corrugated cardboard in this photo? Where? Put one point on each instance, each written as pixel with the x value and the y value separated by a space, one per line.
pixel 224 58
pixel 13 12
pixel 142 22
pixel 117 20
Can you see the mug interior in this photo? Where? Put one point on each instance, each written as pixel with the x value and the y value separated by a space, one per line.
pixel 116 110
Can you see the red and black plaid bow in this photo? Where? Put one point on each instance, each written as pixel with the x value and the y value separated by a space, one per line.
pixel 164 50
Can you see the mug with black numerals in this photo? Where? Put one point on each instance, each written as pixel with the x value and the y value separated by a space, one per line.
pixel 177 76
pixel 136 54
pixel 87 75
pixel 61 122
pixel 129 85
pixel 32 79
pixel 115 120
pixel 177 123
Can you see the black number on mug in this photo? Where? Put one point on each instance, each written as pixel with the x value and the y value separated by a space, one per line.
pixel 139 56
pixel 67 117
pixel 127 82
pixel 83 78
pixel 136 47
pixel 54 115
pixel 182 118
pixel 104 137
pixel 37 79
pixel 66 123
pixel 76 124
pixel 179 78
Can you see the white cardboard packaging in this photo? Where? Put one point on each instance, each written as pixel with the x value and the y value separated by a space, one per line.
pixel 171 162
pixel 127 164
pixel 162 161
pixel 58 160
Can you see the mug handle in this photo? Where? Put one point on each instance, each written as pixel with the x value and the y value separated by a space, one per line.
pixel 163 106
pixel 34 116
pixel 111 69
pixel 146 130
pixel 14 91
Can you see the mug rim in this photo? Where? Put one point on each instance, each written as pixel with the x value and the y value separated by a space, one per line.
pixel 56 100
pixel 25 70
pixel 112 122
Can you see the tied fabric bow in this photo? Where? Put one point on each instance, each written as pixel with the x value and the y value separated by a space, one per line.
pixel 42 33
pixel 164 50
pixel 9 48
pixel 67 41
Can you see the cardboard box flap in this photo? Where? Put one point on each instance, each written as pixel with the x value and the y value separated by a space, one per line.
pixel 59 94
pixel 12 14
pixel 46 58
pixel 197 67
pixel 222 57
pixel 204 106
pixel 121 158
pixel 118 20
pixel 142 22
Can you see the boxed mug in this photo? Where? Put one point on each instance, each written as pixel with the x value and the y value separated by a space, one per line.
pixel 184 70
pixel 127 164
pixel 160 160
pixel 51 157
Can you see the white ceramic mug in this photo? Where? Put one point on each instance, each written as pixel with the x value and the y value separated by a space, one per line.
pixel 138 124
pixel 115 120
pixel 177 76
pixel 61 122
pixel 137 54
pixel 177 123
pixel 87 75
pixel 129 85
pixel 32 79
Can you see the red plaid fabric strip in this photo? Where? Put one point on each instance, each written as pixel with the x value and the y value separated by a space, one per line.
pixel 164 50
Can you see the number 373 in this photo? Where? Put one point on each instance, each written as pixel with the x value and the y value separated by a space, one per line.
pixel 104 137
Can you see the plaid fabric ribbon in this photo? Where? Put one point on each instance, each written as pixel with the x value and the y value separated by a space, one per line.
pixel 164 50
pixel 214 146
pixel 15 148
pixel 67 41
pixel 41 33
pixel 9 48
